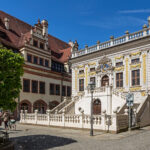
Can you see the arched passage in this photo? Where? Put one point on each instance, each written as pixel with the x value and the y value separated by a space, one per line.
pixel 53 104
pixel 25 105
pixel 97 107
pixel 105 80
pixel 40 105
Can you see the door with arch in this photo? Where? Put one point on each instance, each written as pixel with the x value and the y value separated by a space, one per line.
pixel 105 80
pixel 97 107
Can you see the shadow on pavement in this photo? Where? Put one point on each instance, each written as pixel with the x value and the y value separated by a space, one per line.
pixel 40 142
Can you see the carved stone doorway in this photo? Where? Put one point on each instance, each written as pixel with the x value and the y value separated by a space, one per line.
pixel 105 80
pixel 97 107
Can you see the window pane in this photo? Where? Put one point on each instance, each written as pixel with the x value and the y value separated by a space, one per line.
pixel 52 89
pixel 46 63
pixel 81 84
pixel 29 58
pixel 35 60
pixel 57 89
pixel 68 91
pixel 34 86
pixel 26 85
pixel 42 87
pixel 41 61
pixel 63 90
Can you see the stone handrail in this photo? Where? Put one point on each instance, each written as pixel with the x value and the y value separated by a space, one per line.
pixel 113 42
pixel 119 94
pixel 68 107
pixel 60 106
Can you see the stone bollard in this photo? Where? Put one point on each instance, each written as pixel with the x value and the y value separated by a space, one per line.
pixel 48 116
pixel 36 113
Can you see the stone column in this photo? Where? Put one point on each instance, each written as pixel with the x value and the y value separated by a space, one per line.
pixel 21 116
pixel 63 118
pixel 109 99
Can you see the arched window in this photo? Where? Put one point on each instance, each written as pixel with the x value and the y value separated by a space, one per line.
pixel 97 107
pixel 105 80
pixel 25 105
pixel 41 106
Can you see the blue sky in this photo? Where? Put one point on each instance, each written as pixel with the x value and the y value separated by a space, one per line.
pixel 83 20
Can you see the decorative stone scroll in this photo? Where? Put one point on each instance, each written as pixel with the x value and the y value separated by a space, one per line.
pixel 135 66
pixel 92 73
pixel 135 88
pixel 81 75
pixel 92 63
pixel 136 53
pixel 119 68
pixel 120 57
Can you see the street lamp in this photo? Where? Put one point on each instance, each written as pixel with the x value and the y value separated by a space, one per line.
pixel 91 87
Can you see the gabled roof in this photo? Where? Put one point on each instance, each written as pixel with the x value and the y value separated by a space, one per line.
pixel 19 31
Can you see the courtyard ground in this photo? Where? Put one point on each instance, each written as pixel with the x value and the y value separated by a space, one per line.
pixel 30 137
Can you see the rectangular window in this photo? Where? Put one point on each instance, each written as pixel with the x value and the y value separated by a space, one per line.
pixel 41 45
pixel 81 71
pixel 81 84
pixel 92 79
pixel 46 63
pixel 119 64
pixel 52 89
pixel 35 60
pixel 35 43
pixel 136 77
pixel 119 79
pixel 41 61
pixel 92 69
pixel 34 86
pixel 57 89
pixel 63 90
pixel 42 87
pixel 26 85
pixel 29 58
pixel 134 61
pixel 68 91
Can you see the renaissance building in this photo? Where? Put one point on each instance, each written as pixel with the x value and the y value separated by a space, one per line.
pixel 46 80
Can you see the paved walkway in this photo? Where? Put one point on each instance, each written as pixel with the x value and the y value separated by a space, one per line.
pixel 29 137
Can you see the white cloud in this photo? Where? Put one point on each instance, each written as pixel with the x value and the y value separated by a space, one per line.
pixel 115 22
pixel 134 11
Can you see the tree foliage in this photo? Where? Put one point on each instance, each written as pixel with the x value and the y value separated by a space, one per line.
pixel 11 70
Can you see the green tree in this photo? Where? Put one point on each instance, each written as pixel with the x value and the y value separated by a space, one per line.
pixel 11 70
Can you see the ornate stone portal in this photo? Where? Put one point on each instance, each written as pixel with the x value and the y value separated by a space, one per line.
pixel 105 71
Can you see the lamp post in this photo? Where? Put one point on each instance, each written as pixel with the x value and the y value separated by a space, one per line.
pixel 91 86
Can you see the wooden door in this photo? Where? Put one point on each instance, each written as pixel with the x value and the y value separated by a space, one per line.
pixel 97 107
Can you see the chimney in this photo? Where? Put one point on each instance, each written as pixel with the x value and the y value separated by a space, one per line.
pixel 6 22
pixel 45 27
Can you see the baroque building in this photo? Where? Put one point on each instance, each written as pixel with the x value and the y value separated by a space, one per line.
pixel 46 80
pixel 117 67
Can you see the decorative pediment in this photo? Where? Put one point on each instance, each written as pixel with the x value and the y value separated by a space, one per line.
pixel 105 65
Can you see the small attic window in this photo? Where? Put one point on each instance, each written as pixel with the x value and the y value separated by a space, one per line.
pixel 41 45
pixel 35 43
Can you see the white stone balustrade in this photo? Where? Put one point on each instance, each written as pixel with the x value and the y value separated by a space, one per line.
pixel 100 122
pixel 113 42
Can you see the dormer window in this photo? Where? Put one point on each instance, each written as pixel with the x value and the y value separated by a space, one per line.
pixel 35 43
pixel 41 45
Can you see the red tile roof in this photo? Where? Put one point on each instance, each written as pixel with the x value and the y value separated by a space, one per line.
pixel 19 31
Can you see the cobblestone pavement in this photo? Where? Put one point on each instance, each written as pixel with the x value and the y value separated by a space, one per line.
pixel 29 137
